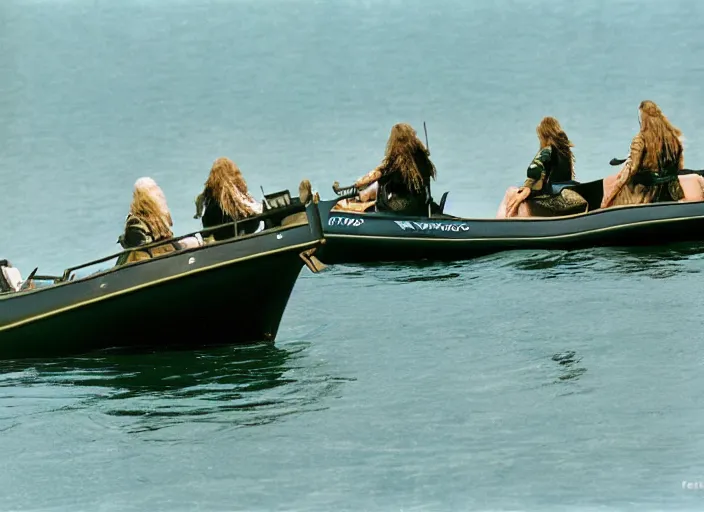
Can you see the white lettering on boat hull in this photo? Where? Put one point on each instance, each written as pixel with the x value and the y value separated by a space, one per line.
pixel 345 222
pixel 454 227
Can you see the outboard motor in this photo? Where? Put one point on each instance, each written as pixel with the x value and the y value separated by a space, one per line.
pixel 10 277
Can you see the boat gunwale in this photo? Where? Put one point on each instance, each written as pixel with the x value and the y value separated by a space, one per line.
pixel 295 208
pixel 153 282
pixel 189 250
pixel 515 238
pixel 445 217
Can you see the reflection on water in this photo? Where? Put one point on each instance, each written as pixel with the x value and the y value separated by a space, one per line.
pixel 239 386
pixel 436 277
pixel 407 272
pixel 568 365
pixel 653 262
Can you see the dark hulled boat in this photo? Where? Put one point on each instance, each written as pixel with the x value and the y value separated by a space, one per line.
pixel 230 291
pixel 384 237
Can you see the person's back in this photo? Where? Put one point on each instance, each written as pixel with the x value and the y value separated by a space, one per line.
pixel 225 198
pixel 554 163
pixel 394 195
pixel 213 215
pixel 148 221
pixel 405 173
pixel 650 174
pixel 659 165
pixel 561 168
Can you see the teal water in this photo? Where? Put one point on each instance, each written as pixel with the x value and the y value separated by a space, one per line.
pixel 523 381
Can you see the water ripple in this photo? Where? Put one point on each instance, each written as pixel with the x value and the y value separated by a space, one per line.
pixel 240 386
pixel 651 262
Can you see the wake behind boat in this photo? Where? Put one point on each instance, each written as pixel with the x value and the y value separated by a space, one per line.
pixel 359 237
pixel 229 291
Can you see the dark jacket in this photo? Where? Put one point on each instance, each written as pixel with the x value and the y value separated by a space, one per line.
pixel 213 215
pixel 395 195
pixel 137 234
pixel 549 166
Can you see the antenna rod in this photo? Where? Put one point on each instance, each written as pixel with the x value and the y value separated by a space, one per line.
pixel 264 197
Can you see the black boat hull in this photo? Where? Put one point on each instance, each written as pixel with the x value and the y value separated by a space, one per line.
pixel 234 291
pixel 379 237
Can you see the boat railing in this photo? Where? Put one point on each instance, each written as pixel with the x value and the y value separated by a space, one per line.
pixel 271 216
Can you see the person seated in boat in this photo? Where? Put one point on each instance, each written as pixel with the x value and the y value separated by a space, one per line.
pixel 11 279
pixel 148 221
pixel 554 163
pixel 305 194
pixel 225 199
pixel 650 173
pixel 400 183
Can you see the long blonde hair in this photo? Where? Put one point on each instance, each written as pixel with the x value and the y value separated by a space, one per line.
pixel 660 137
pixel 550 133
pixel 406 154
pixel 149 206
pixel 227 186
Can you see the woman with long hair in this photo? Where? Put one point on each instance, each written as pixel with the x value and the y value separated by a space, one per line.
pixel 650 173
pixel 399 183
pixel 226 199
pixel 554 163
pixel 148 221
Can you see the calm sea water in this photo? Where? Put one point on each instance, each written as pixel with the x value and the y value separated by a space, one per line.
pixel 522 381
